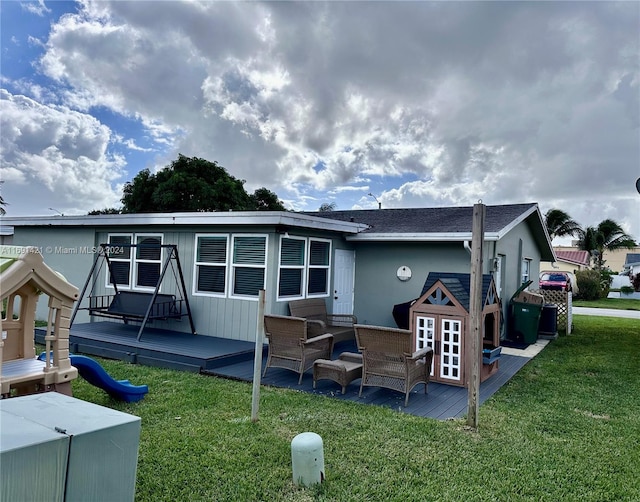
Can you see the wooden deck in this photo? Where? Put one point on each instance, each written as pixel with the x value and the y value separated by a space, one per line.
pixel 442 401
pixel 157 347
pixel 234 359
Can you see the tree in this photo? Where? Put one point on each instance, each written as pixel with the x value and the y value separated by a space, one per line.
pixel 608 235
pixel 107 210
pixel 2 204
pixel 327 207
pixel 560 224
pixel 266 200
pixel 193 184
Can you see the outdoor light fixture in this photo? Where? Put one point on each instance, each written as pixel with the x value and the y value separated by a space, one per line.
pixel 54 209
pixel 379 203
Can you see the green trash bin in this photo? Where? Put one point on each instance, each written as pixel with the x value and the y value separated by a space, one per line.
pixel 525 309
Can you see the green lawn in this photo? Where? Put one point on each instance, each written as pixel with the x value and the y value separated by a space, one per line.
pixel 567 427
pixel 609 303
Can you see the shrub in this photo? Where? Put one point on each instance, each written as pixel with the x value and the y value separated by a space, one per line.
pixel 589 284
pixel 635 280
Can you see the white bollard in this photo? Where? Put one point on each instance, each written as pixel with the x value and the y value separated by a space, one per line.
pixel 307 459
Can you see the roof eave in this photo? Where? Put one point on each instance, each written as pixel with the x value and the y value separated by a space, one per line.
pixel 241 218
pixel 419 237
pixel 547 253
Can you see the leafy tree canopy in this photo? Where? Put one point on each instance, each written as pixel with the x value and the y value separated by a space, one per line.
pixel 560 224
pixel 107 210
pixel 190 185
pixel 325 207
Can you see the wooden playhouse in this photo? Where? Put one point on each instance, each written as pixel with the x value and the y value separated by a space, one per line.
pixel 439 319
pixel 24 278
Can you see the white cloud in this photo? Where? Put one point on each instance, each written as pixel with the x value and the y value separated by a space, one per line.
pixel 422 102
pixel 38 8
pixel 58 154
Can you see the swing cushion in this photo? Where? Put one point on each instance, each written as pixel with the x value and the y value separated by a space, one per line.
pixel 135 304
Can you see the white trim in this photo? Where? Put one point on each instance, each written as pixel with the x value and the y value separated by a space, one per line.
pixel 120 260
pixel 135 260
pixel 324 267
pixel 284 218
pixel 303 267
pixel 233 266
pixel 196 264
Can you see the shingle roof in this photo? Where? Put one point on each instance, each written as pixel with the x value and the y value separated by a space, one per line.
pixel 429 220
pixel 458 284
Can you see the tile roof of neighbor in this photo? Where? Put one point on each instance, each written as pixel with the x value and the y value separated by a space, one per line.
pixel 458 284
pixel 579 257
pixel 429 220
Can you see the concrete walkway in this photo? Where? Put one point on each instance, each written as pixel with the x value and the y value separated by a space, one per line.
pixel 629 314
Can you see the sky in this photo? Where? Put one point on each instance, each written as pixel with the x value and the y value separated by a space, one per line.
pixel 406 104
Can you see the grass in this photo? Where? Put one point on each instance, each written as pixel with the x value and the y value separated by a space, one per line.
pixel 566 427
pixel 609 303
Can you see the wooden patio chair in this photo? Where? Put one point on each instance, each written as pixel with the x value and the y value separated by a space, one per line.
pixel 388 359
pixel 290 347
pixel 314 310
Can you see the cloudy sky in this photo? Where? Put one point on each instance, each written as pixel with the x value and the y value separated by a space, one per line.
pixel 419 103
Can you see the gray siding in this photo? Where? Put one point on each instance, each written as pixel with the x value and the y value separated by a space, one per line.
pixel 68 251
pixel 378 288
pixel 213 316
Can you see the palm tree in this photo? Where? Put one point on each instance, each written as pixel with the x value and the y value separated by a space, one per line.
pixel 560 224
pixel 608 235
pixel 2 204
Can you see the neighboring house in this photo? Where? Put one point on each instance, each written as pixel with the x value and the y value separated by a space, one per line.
pixel 614 260
pixel 362 262
pixel 568 260
pixel 632 264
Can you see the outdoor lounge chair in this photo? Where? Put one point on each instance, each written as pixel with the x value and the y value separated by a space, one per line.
pixel 388 359
pixel 314 310
pixel 290 347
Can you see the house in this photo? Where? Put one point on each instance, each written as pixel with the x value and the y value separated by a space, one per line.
pixel 362 261
pixel 632 264
pixel 568 260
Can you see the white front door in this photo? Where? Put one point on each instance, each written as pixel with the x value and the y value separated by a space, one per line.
pixel 343 281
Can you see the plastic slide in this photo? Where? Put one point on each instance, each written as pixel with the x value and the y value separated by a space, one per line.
pixel 95 374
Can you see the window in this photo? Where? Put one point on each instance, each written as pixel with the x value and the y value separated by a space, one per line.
pixel 211 265
pixel 140 266
pixel 292 267
pixel 526 269
pixel 249 263
pixel 148 260
pixel 119 254
pixel 304 267
pixel 319 262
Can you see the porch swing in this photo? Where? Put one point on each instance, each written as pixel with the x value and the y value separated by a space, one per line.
pixel 136 306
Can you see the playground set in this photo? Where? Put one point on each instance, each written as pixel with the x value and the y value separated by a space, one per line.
pixel 24 278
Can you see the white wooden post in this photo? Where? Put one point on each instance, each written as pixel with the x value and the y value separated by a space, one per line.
pixel 474 333
pixel 257 358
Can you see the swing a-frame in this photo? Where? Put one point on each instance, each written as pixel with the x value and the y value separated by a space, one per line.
pixel 136 306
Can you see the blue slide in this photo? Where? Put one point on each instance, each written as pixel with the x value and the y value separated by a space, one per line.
pixel 95 374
